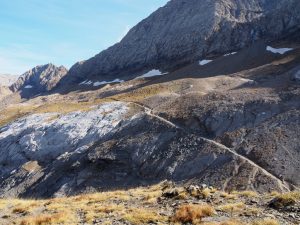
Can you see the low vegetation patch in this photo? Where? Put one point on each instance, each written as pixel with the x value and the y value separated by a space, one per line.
pixel 146 205
pixel 56 218
pixel 284 200
pixel 15 112
pixel 143 216
pixel 232 208
pixel 266 222
pixel 192 213
pixel 248 194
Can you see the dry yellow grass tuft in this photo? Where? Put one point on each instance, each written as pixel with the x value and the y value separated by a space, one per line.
pixel 286 199
pixel 227 222
pixel 94 211
pixel 148 91
pixel 252 211
pixel 57 218
pixel 15 112
pixel 143 216
pixel 228 196
pixel 192 213
pixel 205 193
pixel 136 206
pixel 232 222
pixel 274 193
pixel 266 221
pixel 295 195
pixel 248 194
pixel 20 210
pixel 232 207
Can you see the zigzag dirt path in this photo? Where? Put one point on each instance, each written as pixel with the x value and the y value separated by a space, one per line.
pixel 283 185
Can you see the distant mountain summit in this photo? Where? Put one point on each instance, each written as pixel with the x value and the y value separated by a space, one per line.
pixel 7 79
pixel 39 79
pixel 184 31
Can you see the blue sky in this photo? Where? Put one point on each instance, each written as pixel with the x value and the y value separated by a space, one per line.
pixel 35 32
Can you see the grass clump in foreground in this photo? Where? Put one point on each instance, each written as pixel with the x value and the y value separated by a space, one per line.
pixel 192 213
pixel 286 199
pixel 232 207
pixel 238 222
pixel 266 221
pixel 143 216
pixel 56 218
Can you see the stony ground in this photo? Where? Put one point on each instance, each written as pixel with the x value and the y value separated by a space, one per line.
pixel 163 203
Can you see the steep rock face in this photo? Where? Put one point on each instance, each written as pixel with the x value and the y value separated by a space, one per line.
pixel 39 79
pixel 185 31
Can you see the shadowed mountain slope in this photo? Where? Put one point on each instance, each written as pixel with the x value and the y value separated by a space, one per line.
pixel 183 32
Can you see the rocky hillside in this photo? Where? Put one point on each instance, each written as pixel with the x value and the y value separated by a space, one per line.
pixel 226 115
pixel 39 79
pixel 235 132
pixel 184 31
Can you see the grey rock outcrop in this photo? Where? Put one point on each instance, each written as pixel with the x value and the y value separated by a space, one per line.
pixel 39 79
pixel 185 31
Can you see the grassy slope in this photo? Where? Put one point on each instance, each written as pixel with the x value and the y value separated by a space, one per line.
pixel 146 205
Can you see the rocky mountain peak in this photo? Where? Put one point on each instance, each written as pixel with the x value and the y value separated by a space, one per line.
pixel 7 79
pixel 184 31
pixel 40 78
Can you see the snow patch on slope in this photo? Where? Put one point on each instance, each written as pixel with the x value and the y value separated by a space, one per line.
pixel 279 50
pixel 151 73
pixel 204 62
pixel 86 82
pixel 232 53
pixel 99 83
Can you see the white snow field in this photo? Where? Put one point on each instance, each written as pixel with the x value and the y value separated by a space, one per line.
pixel 279 50
pixel 204 62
